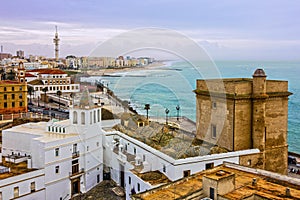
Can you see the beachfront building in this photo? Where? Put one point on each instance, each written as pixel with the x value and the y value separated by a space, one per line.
pixel 248 113
pixel 67 155
pixel 227 182
pixel 52 79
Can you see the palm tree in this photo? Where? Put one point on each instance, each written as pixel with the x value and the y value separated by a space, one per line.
pixel 30 92
pixel 147 107
pixel 45 90
pixel 58 93
pixel 167 112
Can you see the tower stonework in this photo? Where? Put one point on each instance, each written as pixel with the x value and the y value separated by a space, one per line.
pixel 255 112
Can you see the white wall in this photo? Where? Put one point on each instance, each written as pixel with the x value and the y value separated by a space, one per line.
pixel 24 181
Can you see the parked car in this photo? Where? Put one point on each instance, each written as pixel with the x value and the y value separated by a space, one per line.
pixel 292 160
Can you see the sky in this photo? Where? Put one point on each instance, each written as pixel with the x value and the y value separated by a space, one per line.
pixel 231 29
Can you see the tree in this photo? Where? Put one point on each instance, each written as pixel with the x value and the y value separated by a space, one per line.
pixel 59 93
pixel 45 90
pixel 11 75
pixel 147 107
pixel 30 92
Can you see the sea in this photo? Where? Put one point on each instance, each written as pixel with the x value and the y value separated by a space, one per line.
pixel 171 85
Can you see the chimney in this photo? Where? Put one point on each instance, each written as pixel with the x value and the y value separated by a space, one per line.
pixel 254 182
pixel 288 192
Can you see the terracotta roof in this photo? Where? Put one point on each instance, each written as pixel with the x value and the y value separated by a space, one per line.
pixel 29 75
pixel 9 82
pixel 47 71
pixel 36 82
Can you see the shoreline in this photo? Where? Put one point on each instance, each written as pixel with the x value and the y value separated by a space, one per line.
pixel 111 72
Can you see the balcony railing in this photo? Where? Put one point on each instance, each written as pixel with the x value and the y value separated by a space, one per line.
pixel 76 173
pixel 75 154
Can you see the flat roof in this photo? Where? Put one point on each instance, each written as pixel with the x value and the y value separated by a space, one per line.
pixel 39 129
pixel 15 169
pixel 266 186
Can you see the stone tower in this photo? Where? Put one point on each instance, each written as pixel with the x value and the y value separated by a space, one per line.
pixel 256 118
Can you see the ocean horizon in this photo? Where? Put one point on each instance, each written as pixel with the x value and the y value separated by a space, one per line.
pixel 173 83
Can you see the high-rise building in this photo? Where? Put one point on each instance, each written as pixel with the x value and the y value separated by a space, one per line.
pixel 20 54
pixel 247 114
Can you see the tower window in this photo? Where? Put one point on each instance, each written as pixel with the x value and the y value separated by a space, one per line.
pixel 214 105
pixel 213 131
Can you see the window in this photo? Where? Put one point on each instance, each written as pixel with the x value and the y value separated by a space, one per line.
pixel 82 118
pixel 97 144
pixel 32 187
pixel 12 96
pixel 144 158
pixel 5 96
pixel 209 165
pixel 87 148
pixel 20 96
pixel 98 113
pixel 1 196
pixel 164 168
pixel 214 105
pixel 129 180
pixel 186 173
pixel 20 88
pixel 213 131
pixel 16 192
pixel 56 169
pixel 134 151
pixel 5 104
pixel 4 88
pixel 57 152
pixel 20 104
pixel 12 88
pixel 74 117
pixel 139 187
pixel 13 104
pixel 211 193
pixel 94 116
pixel 74 148
pixel 91 117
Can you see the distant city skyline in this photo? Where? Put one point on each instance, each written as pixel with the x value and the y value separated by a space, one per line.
pixel 258 30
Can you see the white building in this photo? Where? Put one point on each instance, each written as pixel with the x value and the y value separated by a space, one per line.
pixel 74 155
pixel 52 79
pixel 69 152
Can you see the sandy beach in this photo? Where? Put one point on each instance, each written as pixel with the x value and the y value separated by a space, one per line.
pixel 107 72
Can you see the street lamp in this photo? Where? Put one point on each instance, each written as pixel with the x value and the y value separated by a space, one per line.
pixel 167 112
pixel 177 108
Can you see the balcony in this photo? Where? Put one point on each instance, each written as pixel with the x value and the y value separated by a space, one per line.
pixel 75 154
pixel 76 173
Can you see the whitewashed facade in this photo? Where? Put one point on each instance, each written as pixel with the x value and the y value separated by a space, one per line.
pixel 69 152
pixel 72 155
